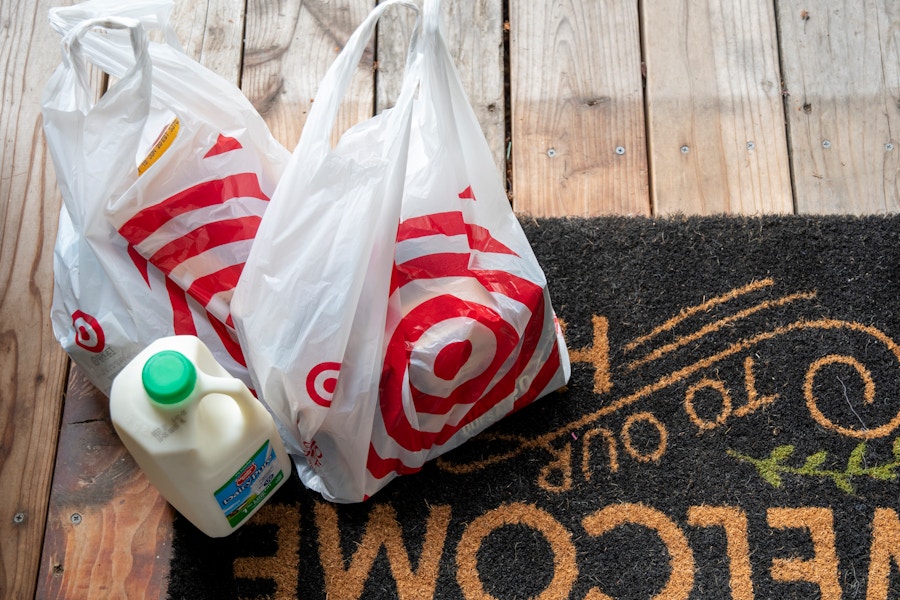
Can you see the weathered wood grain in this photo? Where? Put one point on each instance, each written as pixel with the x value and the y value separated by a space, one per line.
pixel 474 33
pixel 842 72
pixel 289 45
pixel 578 143
pixel 32 365
pixel 108 530
pixel 212 33
pixel 715 122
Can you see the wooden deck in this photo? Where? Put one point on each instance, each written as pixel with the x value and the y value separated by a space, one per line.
pixel 591 106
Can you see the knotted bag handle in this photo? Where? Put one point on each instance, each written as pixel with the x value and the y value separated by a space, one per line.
pixel 140 73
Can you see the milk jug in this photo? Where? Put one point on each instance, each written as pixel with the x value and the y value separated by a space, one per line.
pixel 206 443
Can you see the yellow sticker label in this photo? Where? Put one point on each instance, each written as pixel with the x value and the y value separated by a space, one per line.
pixel 162 144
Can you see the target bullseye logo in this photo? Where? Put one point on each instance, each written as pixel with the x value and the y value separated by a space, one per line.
pixel 471 322
pixel 88 332
pixel 322 381
pixel 451 359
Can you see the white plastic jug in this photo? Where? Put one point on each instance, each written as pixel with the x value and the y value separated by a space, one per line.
pixel 202 438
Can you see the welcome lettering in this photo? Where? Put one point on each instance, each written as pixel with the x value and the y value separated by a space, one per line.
pixel 345 576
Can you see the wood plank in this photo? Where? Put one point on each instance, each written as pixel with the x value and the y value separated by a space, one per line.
pixel 474 33
pixel 842 71
pixel 578 142
pixel 715 119
pixel 211 32
pixel 32 365
pixel 108 530
pixel 289 45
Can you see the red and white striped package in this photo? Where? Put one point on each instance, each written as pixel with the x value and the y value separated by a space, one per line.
pixel 198 236
pixel 475 340
pixel 415 313
pixel 164 180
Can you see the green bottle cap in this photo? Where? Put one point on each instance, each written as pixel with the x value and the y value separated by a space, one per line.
pixel 169 377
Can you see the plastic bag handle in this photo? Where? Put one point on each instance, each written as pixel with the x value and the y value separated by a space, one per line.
pixel 73 55
pixel 152 14
pixel 322 116
pixel 431 14
pixel 445 89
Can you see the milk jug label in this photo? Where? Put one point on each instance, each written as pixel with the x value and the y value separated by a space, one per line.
pixel 249 487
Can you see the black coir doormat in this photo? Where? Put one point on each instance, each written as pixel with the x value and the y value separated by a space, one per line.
pixel 731 430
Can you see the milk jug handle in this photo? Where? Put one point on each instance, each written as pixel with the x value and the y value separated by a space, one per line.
pixel 234 388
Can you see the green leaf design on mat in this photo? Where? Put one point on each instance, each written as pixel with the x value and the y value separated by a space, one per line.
pixel 775 465
pixel 855 463
pixel 781 453
pixel 814 461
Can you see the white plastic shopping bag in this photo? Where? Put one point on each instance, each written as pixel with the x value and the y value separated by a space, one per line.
pixel 415 314
pixel 164 179
pixel 154 15
pixel 324 269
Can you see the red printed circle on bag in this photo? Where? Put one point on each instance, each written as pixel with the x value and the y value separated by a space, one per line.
pixel 322 381
pixel 88 333
pixel 452 358
pixel 468 332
